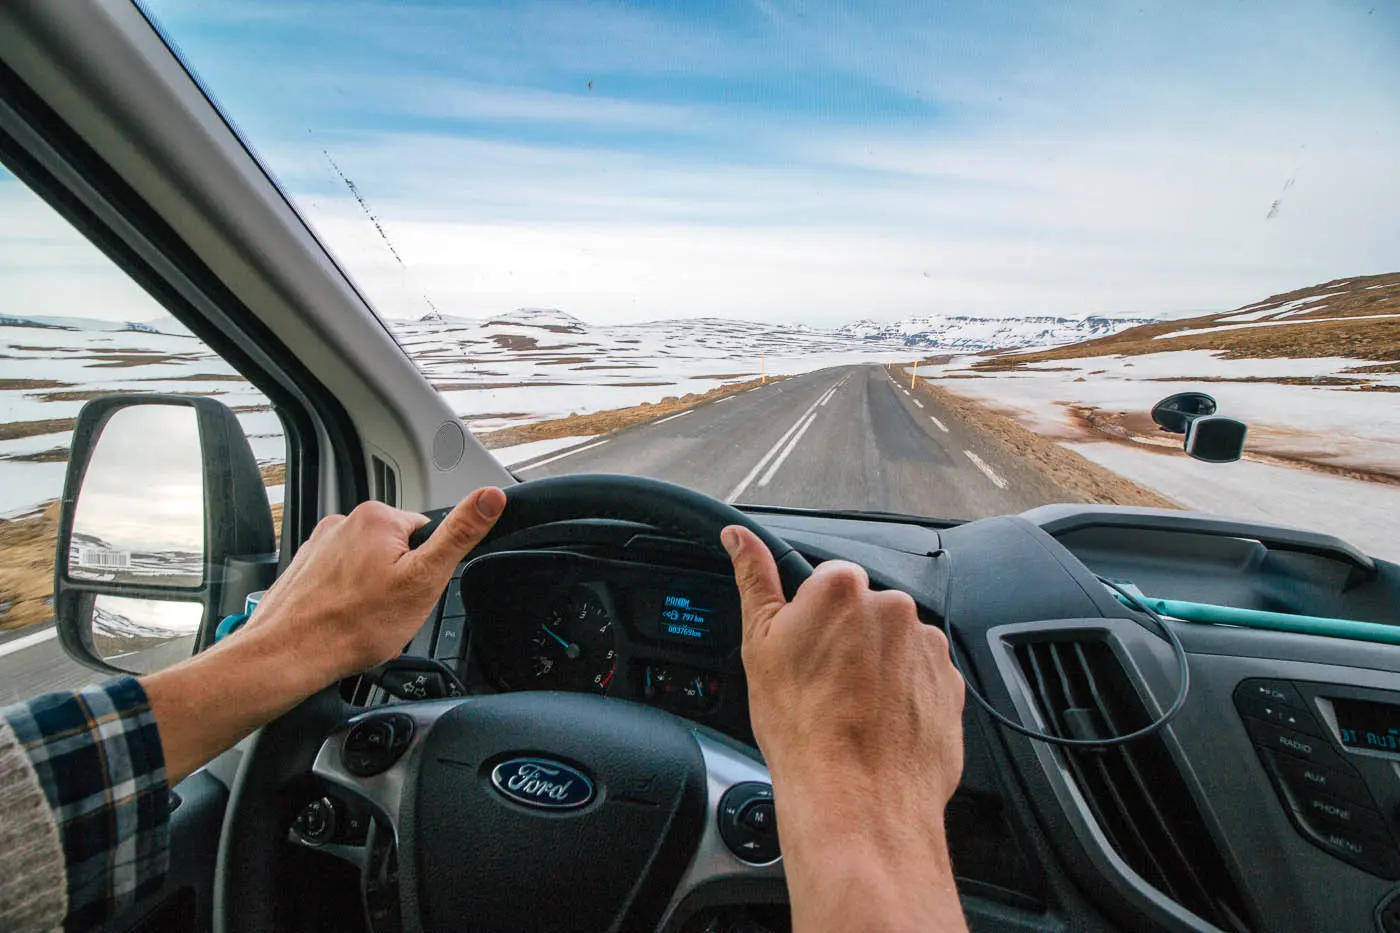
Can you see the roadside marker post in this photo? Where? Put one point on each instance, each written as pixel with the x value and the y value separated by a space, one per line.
pixel 914 376
pixel 763 368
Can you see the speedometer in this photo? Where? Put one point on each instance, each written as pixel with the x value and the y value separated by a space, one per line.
pixel 570 646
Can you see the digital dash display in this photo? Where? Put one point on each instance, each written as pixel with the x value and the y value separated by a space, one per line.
pixel 684 617
pixel 1366 725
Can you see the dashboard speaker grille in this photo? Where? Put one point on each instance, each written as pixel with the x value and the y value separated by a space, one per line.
pixel 1135 791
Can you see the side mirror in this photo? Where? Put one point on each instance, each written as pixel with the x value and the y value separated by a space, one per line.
pixel 1175 412
pixel 163 529
pixel 1216 439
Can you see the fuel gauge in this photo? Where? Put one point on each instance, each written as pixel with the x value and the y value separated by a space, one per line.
pixel 684 690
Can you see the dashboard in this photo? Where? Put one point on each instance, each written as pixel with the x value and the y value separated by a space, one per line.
pixel 1271 802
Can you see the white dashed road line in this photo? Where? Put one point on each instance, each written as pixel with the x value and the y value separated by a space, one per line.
pixel 567 453
pixel 27 641
pixel 997 481
pixel 919 403
pixel 738 490
pixel 727 398
pixel 688 411
pixel 941 426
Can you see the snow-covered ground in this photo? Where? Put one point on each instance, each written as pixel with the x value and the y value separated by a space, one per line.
pixel 1366 514
pixel 1333 425
pixel 1328 425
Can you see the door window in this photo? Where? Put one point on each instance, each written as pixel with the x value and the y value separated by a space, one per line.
pixel 74 327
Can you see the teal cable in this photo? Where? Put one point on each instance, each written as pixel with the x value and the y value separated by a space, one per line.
pixel 1273 621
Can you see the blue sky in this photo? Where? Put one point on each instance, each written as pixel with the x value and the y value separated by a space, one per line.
pixel 824 162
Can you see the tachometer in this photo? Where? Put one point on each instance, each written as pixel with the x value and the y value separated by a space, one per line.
pixel 569 647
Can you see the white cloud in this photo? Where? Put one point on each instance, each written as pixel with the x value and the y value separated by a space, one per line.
pixel 857 225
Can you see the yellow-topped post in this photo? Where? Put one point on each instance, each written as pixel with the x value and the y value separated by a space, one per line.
pixel 763 368
pixel 914 376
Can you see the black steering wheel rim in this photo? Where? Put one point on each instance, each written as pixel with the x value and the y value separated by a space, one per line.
pixel 665 506
pixel 283 752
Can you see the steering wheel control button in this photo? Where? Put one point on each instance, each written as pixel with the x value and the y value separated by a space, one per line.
pixel 748 822
pixel 759 816
pixel 316 823
pixel 373 745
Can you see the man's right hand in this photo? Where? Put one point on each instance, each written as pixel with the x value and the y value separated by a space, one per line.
pixel 857 708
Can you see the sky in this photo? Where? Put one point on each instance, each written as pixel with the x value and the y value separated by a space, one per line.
pixel 143 491
pixel 819 163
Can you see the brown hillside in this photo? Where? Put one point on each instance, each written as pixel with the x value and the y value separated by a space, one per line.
pixel 1301 323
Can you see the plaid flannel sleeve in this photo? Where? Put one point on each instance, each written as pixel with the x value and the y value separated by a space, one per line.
pixel 98 757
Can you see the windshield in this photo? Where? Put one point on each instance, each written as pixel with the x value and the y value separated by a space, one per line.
pixel 910 257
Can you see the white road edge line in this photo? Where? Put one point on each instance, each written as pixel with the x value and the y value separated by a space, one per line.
pixel 997 481
pixel 688 411
pixel 27 641
pixel 919 403
pixel 941 426
pixel 738 490
pixel 727 398
pixel 567 453
pixel 792 444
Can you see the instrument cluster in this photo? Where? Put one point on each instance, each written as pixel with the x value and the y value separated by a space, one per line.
pixel 550 620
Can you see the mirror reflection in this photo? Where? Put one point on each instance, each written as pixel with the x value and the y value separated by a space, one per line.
pixel 144 635
pixel 140 512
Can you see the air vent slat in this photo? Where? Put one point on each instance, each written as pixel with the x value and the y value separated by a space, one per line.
pixel 1161 826
pixel 1135 793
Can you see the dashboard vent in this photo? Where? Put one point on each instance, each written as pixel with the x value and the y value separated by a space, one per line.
pixel 1135 791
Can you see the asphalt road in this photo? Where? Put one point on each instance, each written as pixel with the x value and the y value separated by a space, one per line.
pixel 842 438
pixel 32 661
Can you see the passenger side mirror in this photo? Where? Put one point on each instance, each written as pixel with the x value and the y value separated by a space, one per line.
pixel 163 529
pixel 1209 437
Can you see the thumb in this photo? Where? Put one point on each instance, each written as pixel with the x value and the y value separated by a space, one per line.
pixel 760 590
pixel 461 530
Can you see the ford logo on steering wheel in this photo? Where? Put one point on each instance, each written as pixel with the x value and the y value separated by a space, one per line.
pixel 542 782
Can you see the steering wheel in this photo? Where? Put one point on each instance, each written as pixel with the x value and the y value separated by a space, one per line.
pixel 540 811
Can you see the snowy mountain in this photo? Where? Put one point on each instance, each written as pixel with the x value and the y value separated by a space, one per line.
pixel 962 334
pixel 165 325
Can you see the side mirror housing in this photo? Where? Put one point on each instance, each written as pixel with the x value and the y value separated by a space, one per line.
pixel 1216 439
pixel 164 527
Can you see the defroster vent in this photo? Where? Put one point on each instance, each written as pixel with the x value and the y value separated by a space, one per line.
pixel 1135 791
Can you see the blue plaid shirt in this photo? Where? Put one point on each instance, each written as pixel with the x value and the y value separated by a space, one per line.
pixel 98 757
